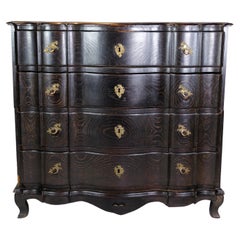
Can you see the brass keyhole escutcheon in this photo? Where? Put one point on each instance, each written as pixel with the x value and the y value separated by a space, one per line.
pixel 119 50
pixel 119 130
pixel 183 169
pixel 186 50
pixel 119 90
pixel 52 47
pixel 118 170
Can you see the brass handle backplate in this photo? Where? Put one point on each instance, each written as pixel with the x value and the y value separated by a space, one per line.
pixel 186 50
pixel 53 89
pixel 183 130
pixel 185 93
pixel 119 49
pixel 119 90
pixel 55 169
pixel 118 170
pixel 52 47
pixel 183 169
pixel 55 129
pixel 119 130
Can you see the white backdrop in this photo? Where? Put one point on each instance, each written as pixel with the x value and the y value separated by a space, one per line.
pixel 155 220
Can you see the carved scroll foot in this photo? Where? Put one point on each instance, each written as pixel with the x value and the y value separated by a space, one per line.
pixel 22 204
pixel 214 205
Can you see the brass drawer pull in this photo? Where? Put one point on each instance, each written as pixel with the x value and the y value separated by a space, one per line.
pixel 119 90
pixel 55 169
pixel 53 89
pixel 119 131
pixel 182 169
pixel 183 130
pixel 118 170
pixel 185 93
pixel 119 50
pixel 51 47
pixel 55 129
pixel 186 50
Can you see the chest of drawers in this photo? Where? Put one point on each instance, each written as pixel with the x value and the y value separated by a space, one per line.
pixel 119 114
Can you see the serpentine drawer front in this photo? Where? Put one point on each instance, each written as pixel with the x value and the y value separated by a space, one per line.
pixel 120 114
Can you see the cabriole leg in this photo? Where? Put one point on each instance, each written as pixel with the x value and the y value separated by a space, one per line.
pixel 22 204
pixel 214 205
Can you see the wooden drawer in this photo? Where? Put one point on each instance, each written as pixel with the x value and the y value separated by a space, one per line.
pixel 89 131
pixel 129 172
pixel 108 90
pixel 55 46
pixel 186 91
pixel 125 172
pixel 103 131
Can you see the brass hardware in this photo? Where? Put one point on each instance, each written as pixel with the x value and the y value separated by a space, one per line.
pixel 184 92
pixel 185 48
pixel 51 47
pixel 182 169
pixel 118 170
pixel 50 91
pixel 55 169
pixel 119 130
pixel 119 50
pixel 183 130
pixel 119 90
pixel 55 129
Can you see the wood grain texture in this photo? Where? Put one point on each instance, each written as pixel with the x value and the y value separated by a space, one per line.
pixel 57 99
pixel 159 138
pixel 97 90
pixel 97 130
pixel 58 141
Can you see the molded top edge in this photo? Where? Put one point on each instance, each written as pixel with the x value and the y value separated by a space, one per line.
pixel 118 26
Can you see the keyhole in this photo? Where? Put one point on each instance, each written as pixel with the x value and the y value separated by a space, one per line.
pixel 118 171
pixel 119 49
pixel 119 90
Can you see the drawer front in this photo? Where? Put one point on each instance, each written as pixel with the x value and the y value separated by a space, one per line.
pixel 119 48
pixel 54 131
pixel 118 131
pixel 102 48
pixel 53 89
pixel 182 170
pixel 52 48
pixel 195 90
pixel 128 172
pixel 122 90
pixel 124 172
pixel 106 90
pixel 193 132
pixel 197 48
pixel 191 170
pixel 55 169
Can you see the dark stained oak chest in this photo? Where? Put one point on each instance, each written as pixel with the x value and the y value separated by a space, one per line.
pixel 119 114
